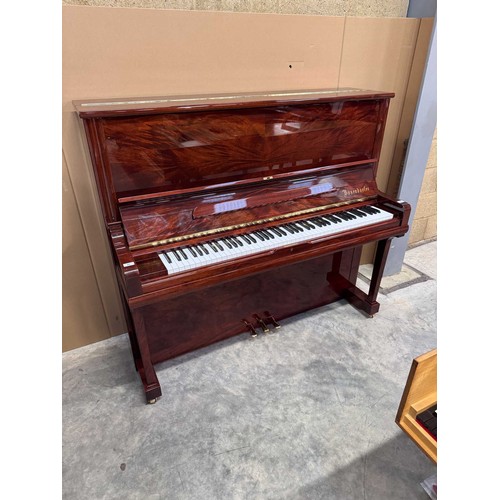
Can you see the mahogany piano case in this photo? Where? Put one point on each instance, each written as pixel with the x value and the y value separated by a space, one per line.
pixel 229 213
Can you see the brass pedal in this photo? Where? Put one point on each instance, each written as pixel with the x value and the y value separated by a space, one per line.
pixel 262 323
pixel 270 318
pixel 253 331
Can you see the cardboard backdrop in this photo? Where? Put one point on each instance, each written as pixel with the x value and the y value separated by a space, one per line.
pixel 116 52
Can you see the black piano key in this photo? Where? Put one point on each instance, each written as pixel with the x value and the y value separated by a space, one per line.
pixel 289 228
pixel 177 256
pixel 212 246
pixel 236 238
pixel 326 221
pixel 265 236
pixel 184 256
pixel 252 239
pixel 246 238
pixel 355 213
pixel 198 251
pixel 269 233
pixel 261 238
pixel 204 249
pixel 227 243
pixel 219 246
pixel 282 231
pixel 167 257
pixel 192 251
pixel 297 227
pixel 333 219
pixel 370 210
pixel 343 216
pixel 365 210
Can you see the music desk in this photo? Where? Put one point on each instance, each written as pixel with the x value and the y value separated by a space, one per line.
pixel 416 414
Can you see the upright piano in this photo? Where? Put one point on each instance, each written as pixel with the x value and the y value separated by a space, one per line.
pixel 228 213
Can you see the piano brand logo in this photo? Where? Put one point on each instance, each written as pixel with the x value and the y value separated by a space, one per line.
pixel 348 192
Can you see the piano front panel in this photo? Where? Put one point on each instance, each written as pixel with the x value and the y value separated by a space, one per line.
pixel 194 320
pixel 174 151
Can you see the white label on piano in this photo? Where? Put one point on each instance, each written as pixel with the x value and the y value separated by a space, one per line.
pixel 321 188
pixel 227 206
pixel 128 264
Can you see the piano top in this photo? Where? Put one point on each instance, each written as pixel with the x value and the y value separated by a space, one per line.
pixel 147 150
pixel 94 108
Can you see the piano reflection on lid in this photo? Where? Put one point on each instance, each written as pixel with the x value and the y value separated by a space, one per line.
pixel 231 212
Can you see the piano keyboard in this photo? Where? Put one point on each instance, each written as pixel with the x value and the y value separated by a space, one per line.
pixel 186 258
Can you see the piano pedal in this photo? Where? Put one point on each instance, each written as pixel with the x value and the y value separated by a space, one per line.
pixel 270 319
pixel 262 323
pixel 252 330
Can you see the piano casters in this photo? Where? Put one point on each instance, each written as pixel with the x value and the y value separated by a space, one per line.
pixel 261 323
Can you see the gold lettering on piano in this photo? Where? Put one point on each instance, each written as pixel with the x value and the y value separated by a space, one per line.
pixel 209 232
pixel 348 192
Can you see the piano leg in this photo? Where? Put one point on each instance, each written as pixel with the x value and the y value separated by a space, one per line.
pixel 145 366
pixel 378 269
pixel 346 287
pixel 131 331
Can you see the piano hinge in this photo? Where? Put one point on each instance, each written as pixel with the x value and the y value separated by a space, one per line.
pixel 209 232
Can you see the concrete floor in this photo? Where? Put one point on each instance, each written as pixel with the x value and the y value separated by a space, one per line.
pixel 304 413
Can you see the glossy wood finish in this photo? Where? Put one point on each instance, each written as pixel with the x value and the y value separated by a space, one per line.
pixel 186 215
pixel 217 312
pixel 187 151
pixel 196 168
